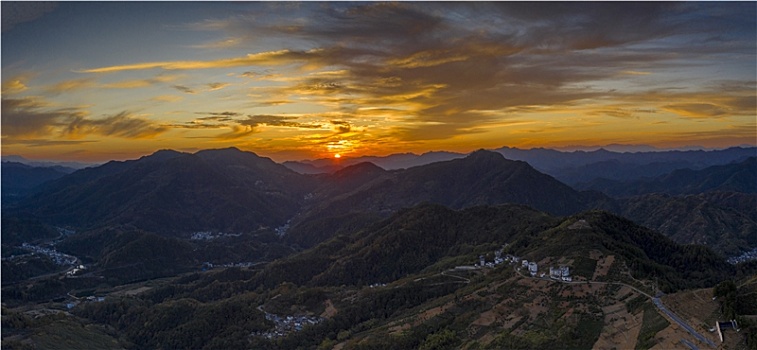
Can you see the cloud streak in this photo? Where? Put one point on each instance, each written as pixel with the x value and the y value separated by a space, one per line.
pixel 32 118
pixel 262 58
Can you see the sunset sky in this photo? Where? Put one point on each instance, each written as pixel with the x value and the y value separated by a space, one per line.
pixel 93 81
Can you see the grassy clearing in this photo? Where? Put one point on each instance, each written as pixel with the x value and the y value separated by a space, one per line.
pixel 652 323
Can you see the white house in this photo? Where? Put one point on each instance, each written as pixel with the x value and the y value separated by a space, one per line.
pixel 532 269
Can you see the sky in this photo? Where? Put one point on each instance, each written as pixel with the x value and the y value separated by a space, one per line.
pixel 95 81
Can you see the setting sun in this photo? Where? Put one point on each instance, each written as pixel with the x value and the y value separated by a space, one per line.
pixel 337 156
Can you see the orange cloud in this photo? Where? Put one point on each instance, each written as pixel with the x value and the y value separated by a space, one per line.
pixel 14 86
pixel 167 98
pixel 263 58
pixel 71 85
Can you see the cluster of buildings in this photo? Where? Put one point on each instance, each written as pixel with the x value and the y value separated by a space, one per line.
pixel 286 325
pixel 207 235
pixel 282 230
pixel 561 272
pixel 90 299
pixel 532 267
pixel 209 265
pixel 748 256
pixel 498 260
pixel 57 257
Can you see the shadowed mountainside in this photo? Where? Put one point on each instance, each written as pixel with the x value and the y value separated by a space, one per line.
pixel 175 192
pixel 481 178
pixel 420 237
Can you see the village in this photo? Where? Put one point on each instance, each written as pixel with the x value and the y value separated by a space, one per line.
pixel 209 265
pixel 560 272
pixel 748 256
pixel 207 235
pixel 57 257
pixel 285 324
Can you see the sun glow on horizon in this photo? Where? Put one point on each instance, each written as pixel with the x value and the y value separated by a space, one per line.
pixel 337 156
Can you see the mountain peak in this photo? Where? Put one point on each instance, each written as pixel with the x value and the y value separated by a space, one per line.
pixel 228 150
pixel 359 169
pixel 487 155
pixel 163 154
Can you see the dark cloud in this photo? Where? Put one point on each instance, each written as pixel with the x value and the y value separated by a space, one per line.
pixel 184 89
pixel 275 120
pixel 342 127
pixel 261 74
pixel 213 120
pixel 450 59
pixel 428 55
pixel 216 86
pixel 122 124
pixel 27 117
pixel 218 116
pixel 236 132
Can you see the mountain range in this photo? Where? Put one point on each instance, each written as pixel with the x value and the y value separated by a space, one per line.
pixel 734 177
pixel 569 167
pixel 229 190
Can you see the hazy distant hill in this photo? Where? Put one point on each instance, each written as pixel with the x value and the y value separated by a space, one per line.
pixel 390 162
pixel 18 178
pixel 176 192
pixel 570 167
pixel 553 162
pixel 616 170
pixel 46 164
pixel 734 177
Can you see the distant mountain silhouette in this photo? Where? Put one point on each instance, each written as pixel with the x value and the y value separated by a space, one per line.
pixel 571 168
pixel 18 179
pixel 735 177
pixel 46 164
pixel 555 162
pixel 390 162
